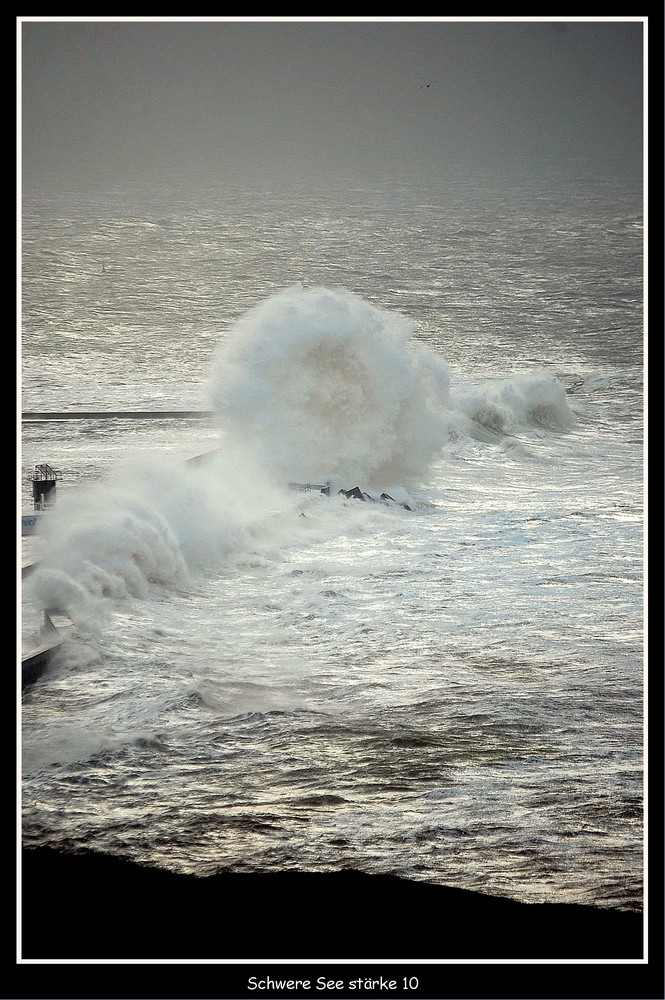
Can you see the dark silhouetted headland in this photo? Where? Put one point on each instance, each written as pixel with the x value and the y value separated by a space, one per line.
pixel 97 907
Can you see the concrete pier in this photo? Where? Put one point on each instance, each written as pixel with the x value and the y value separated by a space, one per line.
pixel 38 649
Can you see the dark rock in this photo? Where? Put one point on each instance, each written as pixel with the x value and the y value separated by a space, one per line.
pixel 356 493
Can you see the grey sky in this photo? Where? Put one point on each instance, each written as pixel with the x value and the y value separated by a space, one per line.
pixel 193 104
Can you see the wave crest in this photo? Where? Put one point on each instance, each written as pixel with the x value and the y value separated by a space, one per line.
pixel 518 403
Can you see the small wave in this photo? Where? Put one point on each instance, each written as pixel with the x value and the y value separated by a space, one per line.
pixel 521 402
pixel 320 800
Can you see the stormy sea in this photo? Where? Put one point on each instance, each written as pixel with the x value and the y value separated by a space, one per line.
pixel 347 533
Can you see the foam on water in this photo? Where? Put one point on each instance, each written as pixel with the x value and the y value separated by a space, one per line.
pixel 452 692
pixel 313 385
pixel 523 401
pixel 151 524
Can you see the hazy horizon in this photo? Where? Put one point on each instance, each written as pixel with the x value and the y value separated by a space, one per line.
pixel 258 103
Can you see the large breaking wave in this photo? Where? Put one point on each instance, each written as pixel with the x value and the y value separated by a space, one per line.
pixel 312 385
pixel 320 383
